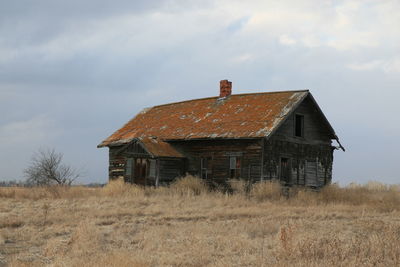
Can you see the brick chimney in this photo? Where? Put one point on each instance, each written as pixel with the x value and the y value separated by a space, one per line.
pixel 225 88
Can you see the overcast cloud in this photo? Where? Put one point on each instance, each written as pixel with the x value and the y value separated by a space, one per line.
pixel 72 72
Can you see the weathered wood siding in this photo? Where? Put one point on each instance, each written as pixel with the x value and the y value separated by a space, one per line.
pixel 117 163
pixel 220 152
pixel 121 160
pixel 310 156
pixel 315 129
pixel 311 165
pixel 169 169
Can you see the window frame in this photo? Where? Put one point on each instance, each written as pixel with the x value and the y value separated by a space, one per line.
pixel 296 115
pixel 236 171
pixel 205 171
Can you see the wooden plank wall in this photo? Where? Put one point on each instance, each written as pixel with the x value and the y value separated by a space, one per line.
pixel 169 169
pixel 311 164
pixel 315 129
pixel 219 151
pixel 117 162
pixel 118 158
pixel 311 156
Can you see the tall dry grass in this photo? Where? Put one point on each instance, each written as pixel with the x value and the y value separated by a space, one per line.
pixel 373 194
pixel 189 185
pixel 186 224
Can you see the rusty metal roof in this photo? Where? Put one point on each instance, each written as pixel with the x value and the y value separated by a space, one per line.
pixel 237 116
pixel 159 148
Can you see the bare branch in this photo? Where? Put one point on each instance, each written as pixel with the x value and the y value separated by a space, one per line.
pixel 47 168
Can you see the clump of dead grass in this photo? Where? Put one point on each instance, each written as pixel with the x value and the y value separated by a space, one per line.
pixel 118 188
pixel 188 225
pixel 385 198
pixel 48 192
pixel 189 185
pixel 363 249
pixel 239 186
pixel 267 190
pixel 375 195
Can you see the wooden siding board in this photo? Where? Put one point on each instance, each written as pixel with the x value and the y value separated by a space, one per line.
pixel 220 151
pixel 169 169
pixel 275 148
pixel 311 173
pixel 315 128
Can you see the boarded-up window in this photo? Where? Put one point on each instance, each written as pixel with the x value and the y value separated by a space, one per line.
pixel 128 168
pixel 152 172
pixel 311 173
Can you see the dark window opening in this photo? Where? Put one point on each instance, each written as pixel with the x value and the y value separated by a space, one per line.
pixel 235 164
pixel 205 168
pixel 299 125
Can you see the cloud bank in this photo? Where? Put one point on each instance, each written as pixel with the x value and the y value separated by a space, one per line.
pixel 72 72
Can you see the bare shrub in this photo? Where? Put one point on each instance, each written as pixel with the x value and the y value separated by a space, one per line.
pixel 268 190
pixel 189 185
pixel 47 168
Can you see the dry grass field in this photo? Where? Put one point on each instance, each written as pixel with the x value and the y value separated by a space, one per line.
pixel 187 225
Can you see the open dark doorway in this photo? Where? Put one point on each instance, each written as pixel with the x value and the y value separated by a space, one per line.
pixel 141 171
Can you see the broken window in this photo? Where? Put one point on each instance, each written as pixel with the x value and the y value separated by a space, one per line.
pixel 299 125
pixel 234 167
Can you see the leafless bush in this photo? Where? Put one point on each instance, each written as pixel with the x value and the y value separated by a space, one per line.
pixel 47 168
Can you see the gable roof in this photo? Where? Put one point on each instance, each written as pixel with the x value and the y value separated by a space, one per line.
pixel 237 116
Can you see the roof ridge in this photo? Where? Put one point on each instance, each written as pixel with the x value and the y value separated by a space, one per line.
pixel 216 97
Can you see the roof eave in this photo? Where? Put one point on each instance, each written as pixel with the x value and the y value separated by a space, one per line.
pixel 115 143
pixel 334 135
pixel 212 138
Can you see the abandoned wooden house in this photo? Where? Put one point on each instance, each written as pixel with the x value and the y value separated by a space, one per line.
pixel 257 136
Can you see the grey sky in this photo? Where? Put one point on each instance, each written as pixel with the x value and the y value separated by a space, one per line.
pixel 72 72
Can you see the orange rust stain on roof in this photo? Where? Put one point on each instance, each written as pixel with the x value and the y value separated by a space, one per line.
pixel 237 116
